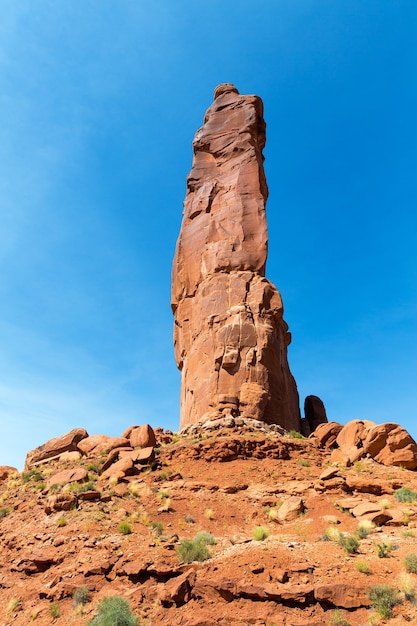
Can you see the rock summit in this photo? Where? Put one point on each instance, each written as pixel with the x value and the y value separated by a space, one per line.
pixel 230 337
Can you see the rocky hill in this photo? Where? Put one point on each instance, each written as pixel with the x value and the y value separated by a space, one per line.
pixel 280 529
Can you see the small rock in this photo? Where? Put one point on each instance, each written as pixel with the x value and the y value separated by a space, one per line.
pixel 290 509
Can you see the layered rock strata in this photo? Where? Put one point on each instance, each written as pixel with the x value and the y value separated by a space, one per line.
pixel 230 337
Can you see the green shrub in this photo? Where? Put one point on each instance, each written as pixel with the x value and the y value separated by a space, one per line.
pixel 32 475
pixel 260 533
pixel 4 511
pixel 364 528
pixel 294 434
pixel 383 549
pixel 113 611
pixel 124 528
pixel 349 544
pixel 410 563
pixel 383 599
pixel 405 495
pixel 362 567
pixel 61 522
pixel 54 609
pixel 93 467
pixel 81 595
pixel 303 462
pixel 158 527
pixel 81 487
pixel 195 549
pixel 206 538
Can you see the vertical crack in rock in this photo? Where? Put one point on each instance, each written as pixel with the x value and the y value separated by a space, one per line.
pixel 230 338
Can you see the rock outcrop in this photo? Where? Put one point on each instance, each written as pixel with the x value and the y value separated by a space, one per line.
pixel 388 444
pixel 55 447
pixel 230 337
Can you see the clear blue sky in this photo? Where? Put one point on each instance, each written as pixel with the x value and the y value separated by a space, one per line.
pixel 99 102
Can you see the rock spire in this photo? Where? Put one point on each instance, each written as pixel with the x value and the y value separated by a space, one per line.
pixel 230 337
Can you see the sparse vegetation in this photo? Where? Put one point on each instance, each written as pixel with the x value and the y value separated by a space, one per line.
pixel 32 475
pixel 273 514
pixel 4 511
pixel 209 514
pixel 114 611
pixel 410 563
pixel 195 549
pixel 405 494
pixel 61 521
pixel 81 595
pixel 384 504
pixel 54 610
pixel 14 604
pixel 158 528
pixel 260 533
pixel 332 534
pixel 337 618
pixel 189 519
pixel 124 528
pixel 383 549
pixel 349 544
pixel 407 586
pixel 208 538
pixel 93 467
pixel 303 462
pixel 362 567
pixel 166 505
pixel 383 599
pixel 294 434
pixel 364 528
pixel 81 487
pixel 358 466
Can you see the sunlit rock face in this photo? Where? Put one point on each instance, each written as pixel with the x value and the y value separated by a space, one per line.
pixel 230 337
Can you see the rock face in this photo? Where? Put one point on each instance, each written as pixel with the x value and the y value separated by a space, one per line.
pixel 230 337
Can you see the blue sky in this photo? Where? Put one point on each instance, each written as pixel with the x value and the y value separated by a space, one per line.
pixel 99 102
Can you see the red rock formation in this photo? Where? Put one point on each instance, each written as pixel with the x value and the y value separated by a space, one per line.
pixel 230 337
pixel 388 443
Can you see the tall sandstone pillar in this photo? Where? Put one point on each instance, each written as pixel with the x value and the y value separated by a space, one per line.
pixel 230 337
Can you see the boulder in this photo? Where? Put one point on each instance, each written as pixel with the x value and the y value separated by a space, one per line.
pixel 97 444
pixel 230 338
pixel 75 475
pixel 178 590
pixel 119 469
pixel 141 456
pixel 142 437
pixel 60 502
pixel 55 447
pixel 5 470
pixel 314 412
pixel 353 433
pixel 290 509
pixel 326 434
pixel 390 444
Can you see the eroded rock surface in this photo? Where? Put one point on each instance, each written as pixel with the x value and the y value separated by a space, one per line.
pixel 230 337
